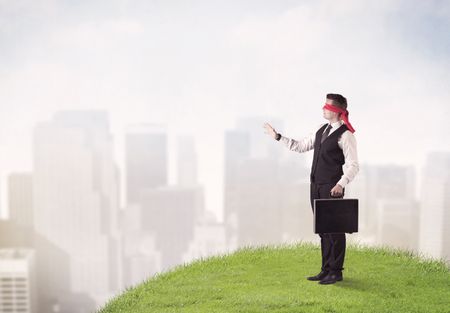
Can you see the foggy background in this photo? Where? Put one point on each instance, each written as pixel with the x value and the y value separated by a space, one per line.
pixel 131 134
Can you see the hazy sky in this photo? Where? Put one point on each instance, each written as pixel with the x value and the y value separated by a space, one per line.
pixel 199 65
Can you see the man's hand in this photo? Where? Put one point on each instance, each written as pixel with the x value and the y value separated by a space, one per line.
pixel 337 191
pixel 269 130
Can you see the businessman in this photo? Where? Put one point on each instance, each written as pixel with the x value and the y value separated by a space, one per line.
pixel 334 165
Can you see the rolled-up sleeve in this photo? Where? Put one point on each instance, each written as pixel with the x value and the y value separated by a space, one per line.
pixel 351 165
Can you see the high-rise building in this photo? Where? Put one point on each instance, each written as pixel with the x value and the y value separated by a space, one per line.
pixel 187 168
pixel 209 238
pixel 260 175
pixel 169 213
pixel 20 198
pixel 17 281
pixel 435 206
pixel 398 223
pixel 383 184
pixel 140 257
pixel 48 258
pixel 146 159
pixel 75 198
pixel 237 148
pixel 260 146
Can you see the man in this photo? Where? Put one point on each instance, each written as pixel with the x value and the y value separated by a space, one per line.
pixel 335 164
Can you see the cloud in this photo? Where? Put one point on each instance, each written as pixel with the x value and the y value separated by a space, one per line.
pixel 97 33
pixel 290 61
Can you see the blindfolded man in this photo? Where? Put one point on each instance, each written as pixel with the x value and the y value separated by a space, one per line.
pixel 335 164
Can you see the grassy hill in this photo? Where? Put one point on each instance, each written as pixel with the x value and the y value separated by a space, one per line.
pixel 273 279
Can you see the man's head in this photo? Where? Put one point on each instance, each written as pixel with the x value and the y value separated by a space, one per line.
pixel 338 101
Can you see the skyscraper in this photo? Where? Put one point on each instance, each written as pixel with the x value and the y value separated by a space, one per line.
pixel 187 168
pixel 75 197
pixel 169 213
pixel 385 187
pixel 435 206
pixel 146 159
pixel 237 148
pixel 259 173
pixel 20 198
pixel 17 281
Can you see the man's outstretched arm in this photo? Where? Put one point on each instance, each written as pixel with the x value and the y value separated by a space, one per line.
pixel 302 145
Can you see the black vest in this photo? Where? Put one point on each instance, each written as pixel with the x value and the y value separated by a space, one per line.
pixel 328 157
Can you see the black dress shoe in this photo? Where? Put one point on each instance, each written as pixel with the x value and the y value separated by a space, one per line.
pixel 331 278
pixel 319 276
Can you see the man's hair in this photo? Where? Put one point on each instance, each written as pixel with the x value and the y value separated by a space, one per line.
pixel 338 100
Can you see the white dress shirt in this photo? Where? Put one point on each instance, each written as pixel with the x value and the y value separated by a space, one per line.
pixel 347 142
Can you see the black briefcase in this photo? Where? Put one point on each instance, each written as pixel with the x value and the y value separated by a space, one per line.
pixel 335 215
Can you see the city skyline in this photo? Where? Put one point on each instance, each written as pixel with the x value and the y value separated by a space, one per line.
pixel 67 209
pixel 256 151
pixel 172 162
pixel 214 197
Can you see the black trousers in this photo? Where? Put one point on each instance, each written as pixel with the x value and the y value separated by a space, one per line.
pixel 332 245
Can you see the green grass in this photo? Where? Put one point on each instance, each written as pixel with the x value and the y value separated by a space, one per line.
pixel 273 279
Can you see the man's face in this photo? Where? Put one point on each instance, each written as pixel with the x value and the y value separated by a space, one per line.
pixel 327 114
